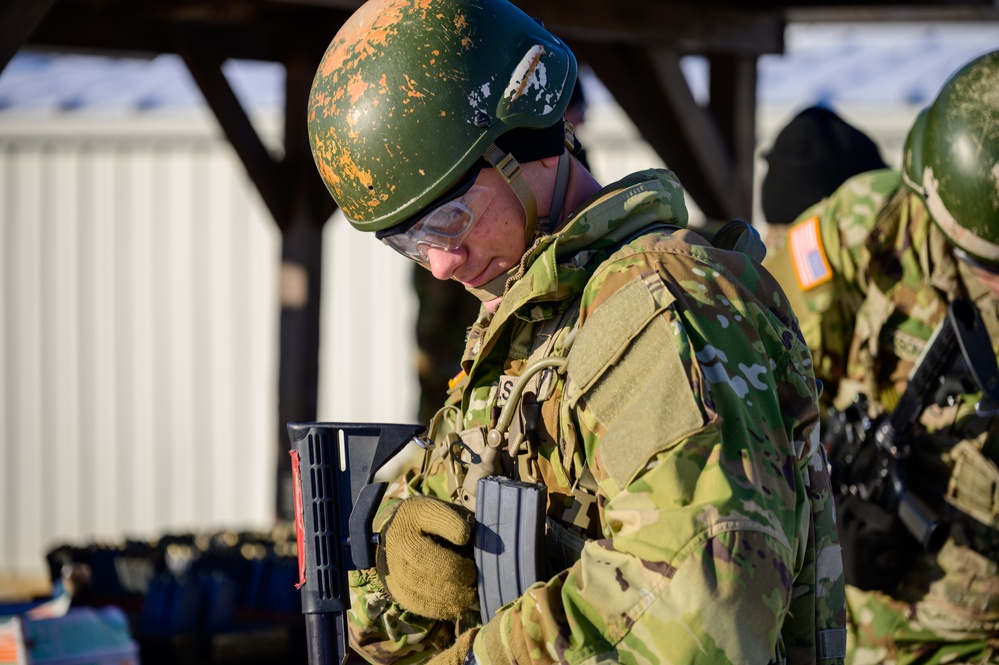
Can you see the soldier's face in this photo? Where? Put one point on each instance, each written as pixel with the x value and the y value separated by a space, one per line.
pixel 495 244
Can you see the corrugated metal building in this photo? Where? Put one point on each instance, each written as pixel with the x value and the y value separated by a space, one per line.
pixel 138 333
pixel 139 273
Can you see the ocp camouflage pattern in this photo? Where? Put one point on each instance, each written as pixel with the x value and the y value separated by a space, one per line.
pixel 893 276
pixel 681 441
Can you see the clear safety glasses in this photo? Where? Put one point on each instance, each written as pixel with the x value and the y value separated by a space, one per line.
pixel 443 226
pixel 975 263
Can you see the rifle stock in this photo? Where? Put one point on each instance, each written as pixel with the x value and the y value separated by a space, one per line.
pixel 333 466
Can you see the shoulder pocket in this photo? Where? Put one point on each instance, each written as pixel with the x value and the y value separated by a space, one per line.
pixel 625 361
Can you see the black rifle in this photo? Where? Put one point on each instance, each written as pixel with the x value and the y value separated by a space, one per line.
pixel 333 465
pixel 883 521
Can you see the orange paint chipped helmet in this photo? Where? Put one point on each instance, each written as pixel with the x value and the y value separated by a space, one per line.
pixel 412 93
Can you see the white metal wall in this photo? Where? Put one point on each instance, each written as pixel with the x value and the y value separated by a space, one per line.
pixel 368 357
pixel 138 333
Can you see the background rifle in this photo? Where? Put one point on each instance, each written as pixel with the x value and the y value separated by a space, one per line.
pixel 869 458
pixel 333 465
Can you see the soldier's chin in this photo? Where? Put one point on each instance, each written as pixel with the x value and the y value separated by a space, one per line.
pixel 492 291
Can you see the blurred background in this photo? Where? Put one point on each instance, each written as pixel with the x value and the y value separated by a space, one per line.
pixel 150 353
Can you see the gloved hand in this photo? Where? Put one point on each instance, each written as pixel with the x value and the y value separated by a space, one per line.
pixel 424 558
pixel 457 653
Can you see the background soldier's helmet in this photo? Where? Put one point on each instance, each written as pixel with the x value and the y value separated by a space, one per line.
pixel 410 94
pixel 951 158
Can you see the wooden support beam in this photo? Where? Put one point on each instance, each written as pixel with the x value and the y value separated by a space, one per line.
pixel 301 272
pixel 307 186
pixel 714 168
pixel 682 27
pixel 266 173
pixel 297 199
pixel 18 19
pixel 903 12
pixel 298 344
pixel 664 110
pixel 732 104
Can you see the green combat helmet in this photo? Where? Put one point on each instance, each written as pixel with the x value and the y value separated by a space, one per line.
pixel 412 94
pixel 951 159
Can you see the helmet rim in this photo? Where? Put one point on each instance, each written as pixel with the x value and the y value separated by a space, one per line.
pixel 396 126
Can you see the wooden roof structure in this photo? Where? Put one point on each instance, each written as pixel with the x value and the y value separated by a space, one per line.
pixel 633 46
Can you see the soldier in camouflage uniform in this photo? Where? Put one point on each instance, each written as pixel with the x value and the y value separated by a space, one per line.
pixel 870 272
pixel 657 385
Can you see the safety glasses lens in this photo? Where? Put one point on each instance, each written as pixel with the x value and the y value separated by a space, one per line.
pixel 445 227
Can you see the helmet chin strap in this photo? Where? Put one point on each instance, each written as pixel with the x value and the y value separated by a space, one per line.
pixel 509 168
pixel 495 287
pixel 549 223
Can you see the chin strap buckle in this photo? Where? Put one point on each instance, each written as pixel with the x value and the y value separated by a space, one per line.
pixel 508 167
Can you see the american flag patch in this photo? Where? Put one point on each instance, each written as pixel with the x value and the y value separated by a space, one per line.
pixel 811 267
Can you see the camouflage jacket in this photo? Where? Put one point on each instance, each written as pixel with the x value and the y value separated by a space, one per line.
pixel 680 440
pixel 870 277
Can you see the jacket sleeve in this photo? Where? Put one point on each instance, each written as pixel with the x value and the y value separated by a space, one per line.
pixel 379 629
pixel 821 266
pixel 703 509
pixel 716 595
pixel 824 307
pixel 382 632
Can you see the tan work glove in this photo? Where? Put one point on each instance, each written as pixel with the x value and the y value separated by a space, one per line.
pixel 424 558
pixel 457 652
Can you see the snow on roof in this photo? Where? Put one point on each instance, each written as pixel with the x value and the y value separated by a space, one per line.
pixel 825 63
pixel 870 63
pixel 44 82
